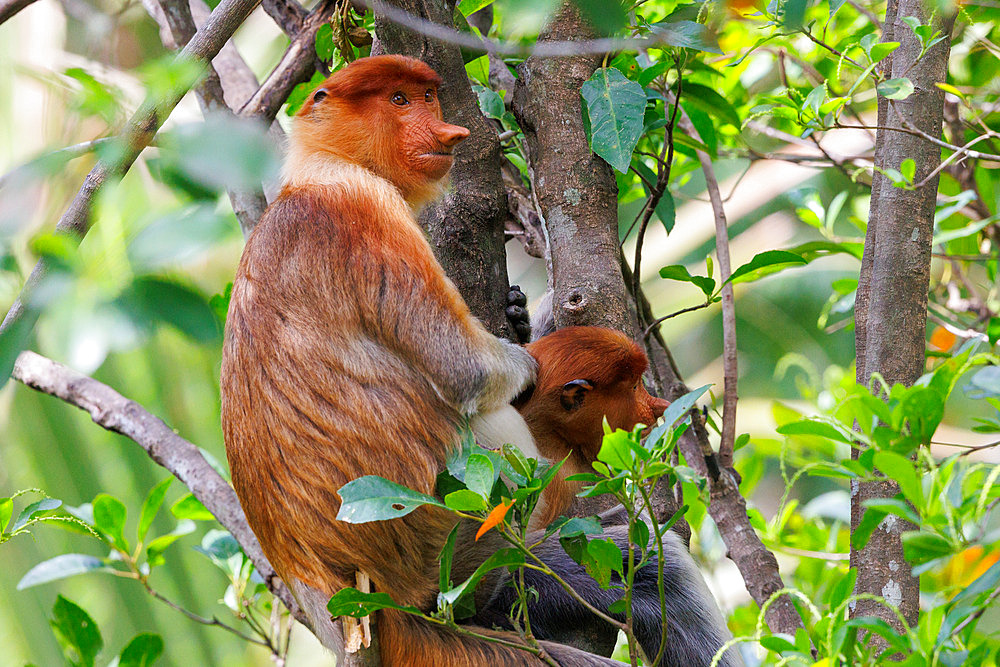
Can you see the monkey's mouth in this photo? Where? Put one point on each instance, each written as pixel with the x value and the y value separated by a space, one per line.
pixel 437 154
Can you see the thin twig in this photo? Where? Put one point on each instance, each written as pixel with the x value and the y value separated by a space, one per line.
pixel 206 621
pixel 660 320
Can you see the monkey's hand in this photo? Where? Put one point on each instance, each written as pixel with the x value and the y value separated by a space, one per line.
pixel 517 314
pixel 516 369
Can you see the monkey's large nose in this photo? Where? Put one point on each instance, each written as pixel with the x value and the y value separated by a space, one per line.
pixel 449 135
pixel 658 405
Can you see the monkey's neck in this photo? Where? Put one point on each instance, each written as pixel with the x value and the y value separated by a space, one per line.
pixel 304 167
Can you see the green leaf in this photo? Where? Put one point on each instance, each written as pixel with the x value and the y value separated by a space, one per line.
pixel 903 471
pixel 463 500
pixel 576 526
pixel 764 264
pixel 35 508
pixel 615 106
pixel 470 7
pixel 680 272
pixel 893 506
pixel 686 34
pixel 372 498
pixel 712 102
pixel 109 518
pixel 920 546
pixel 879 51
pixel 606 16
pixel 354 603
pixel 815 428
pixel 325 47
pixel 794 13
pixel 479 475
pixel 150 506
pixel 151 300
pixel 665 209
pixel 506 558
pixel 992 332
pixel 190 507
pixel 144 650
pixel 895 89
pixel 446 558
pixel 490 102
pixel 6 511
pixel 675 411
pixel 156 547
pixel 908 168
pixel 60 567
pixel 76 633
pixel 615 450
pixel 606 554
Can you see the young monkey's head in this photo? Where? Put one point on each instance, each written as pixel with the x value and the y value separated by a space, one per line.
pixel 383 114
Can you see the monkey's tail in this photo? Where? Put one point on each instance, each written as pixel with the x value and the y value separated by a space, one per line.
pixel 409 641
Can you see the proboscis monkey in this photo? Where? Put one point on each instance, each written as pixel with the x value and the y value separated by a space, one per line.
pixel 348 352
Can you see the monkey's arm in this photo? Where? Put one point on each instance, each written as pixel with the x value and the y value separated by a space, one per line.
pixel 433 327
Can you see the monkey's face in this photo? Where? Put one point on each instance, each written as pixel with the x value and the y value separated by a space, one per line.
pixel 425 141
pixel 383 114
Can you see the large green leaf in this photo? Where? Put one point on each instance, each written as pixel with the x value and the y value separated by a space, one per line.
pixel 60 567
pixel 109 518
pixel 372 498
pixel 76 633
pixel 615 106
pixel 764 264
pixel 354 603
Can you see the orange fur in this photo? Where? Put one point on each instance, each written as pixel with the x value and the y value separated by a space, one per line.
pixel 348 352
pixel 613 365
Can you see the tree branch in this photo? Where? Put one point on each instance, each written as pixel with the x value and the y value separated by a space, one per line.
pixel 182 459
pixel 9 8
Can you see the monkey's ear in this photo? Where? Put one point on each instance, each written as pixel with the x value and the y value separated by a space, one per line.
pixel 319 96
pixel 573 392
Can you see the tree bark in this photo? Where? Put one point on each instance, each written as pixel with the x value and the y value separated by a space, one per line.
pixel 575 189
pixel 891 306
pixel 466 226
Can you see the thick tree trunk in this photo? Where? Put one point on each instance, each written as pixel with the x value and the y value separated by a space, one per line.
pixel 891 307
pixel 466 227
pixel 575 189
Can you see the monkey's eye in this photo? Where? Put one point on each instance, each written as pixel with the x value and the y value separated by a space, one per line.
pixel 399 99
pixel 429 96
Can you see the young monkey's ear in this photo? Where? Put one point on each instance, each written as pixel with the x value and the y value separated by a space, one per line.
pixel 572 394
